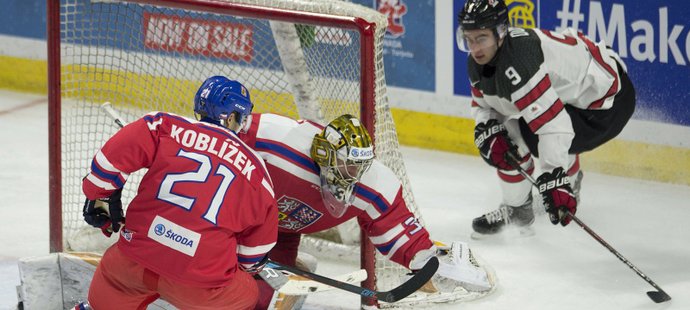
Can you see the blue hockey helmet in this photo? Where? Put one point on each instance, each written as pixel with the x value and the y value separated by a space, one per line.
pixel 218 97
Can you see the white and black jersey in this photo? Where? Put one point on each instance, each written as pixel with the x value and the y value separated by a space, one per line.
pixel 534 75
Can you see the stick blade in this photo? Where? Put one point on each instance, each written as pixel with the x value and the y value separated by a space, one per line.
pixel 420 278
pixel 658 296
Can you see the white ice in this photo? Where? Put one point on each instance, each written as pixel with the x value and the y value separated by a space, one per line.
pixel 558 268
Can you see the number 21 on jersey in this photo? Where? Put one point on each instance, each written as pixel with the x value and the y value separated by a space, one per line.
pixel 199 176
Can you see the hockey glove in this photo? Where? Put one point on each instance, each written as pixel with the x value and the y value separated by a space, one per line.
pixel 494 144
pixel 457 268
pixel 555 189
pixel 105 213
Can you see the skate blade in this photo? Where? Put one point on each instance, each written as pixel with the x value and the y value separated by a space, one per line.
pixel 507 233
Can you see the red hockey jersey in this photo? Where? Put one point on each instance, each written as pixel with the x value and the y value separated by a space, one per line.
pixel 378 205
pixel 205 205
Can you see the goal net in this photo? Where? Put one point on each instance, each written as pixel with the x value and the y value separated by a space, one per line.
pixel 309 59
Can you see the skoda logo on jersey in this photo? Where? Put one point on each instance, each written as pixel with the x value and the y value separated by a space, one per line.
pixel 174 236
pixel 159 229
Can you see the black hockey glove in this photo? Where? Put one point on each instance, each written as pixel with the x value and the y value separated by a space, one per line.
pixel 494 144
pixel 105 213
pixel 554 188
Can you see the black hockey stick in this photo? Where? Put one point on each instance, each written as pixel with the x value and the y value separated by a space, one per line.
pixel 657 296
pixel 418 280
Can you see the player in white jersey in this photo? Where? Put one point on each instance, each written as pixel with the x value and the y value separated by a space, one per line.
pixel 538 94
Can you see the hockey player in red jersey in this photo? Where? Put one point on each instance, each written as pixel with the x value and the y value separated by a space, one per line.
pixel 536 93
pixel 325 176
pixel 204 216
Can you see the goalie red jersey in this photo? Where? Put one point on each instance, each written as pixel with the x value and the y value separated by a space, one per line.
pixel 178 222
pixel 378 204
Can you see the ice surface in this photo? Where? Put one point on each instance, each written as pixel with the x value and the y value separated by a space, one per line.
pixel 558 268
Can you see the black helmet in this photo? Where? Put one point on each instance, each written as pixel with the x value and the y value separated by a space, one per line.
pixel 483 14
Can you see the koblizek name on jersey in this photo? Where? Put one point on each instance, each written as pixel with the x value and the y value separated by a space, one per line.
pixel 228 150
pixel 174 236
pixel 642 44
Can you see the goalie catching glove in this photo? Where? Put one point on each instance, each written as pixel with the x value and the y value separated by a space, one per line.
pixel 105 213
pixel 458 267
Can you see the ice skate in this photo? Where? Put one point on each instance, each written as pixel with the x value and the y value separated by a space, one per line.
pixel 495 222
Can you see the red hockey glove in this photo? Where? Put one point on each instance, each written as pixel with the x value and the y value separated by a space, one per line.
pixel 494 144
pixel 558 197
pixel 105 213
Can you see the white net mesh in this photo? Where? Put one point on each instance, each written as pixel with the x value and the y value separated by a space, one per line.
pixel 144 58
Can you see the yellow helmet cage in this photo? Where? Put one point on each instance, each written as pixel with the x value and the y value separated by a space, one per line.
pixel 344 138
pixel 344 152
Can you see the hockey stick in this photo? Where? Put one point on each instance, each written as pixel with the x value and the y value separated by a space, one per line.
pixel 292 284
pixel 107 107
pixel 418 280
pixel 657 296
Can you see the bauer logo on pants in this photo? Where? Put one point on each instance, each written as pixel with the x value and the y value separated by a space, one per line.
pixel 174 236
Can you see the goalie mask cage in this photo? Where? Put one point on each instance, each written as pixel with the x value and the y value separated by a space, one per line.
pixel 311 59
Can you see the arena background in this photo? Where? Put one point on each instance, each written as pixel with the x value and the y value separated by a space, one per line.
pixel 428 87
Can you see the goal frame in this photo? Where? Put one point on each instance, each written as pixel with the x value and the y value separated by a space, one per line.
pixel 367 95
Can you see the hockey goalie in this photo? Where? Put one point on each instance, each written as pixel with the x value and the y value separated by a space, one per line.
pixel 322 176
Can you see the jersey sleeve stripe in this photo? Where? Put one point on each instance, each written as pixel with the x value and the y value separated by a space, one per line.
pixel 151 117
pixel 547 116
pixel 105 163
pixel 388 236
pixel 248 251
pixel 372 197
pixel 369 210
pixel 104 170
pixel 281 150
pixel 596 54
pixel 389 249
pixel 100 183
pixel 534 93
pixel 248 261
pixel 474 104
pixel 113 178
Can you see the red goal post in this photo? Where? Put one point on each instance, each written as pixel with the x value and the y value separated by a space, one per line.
pixel 312 59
